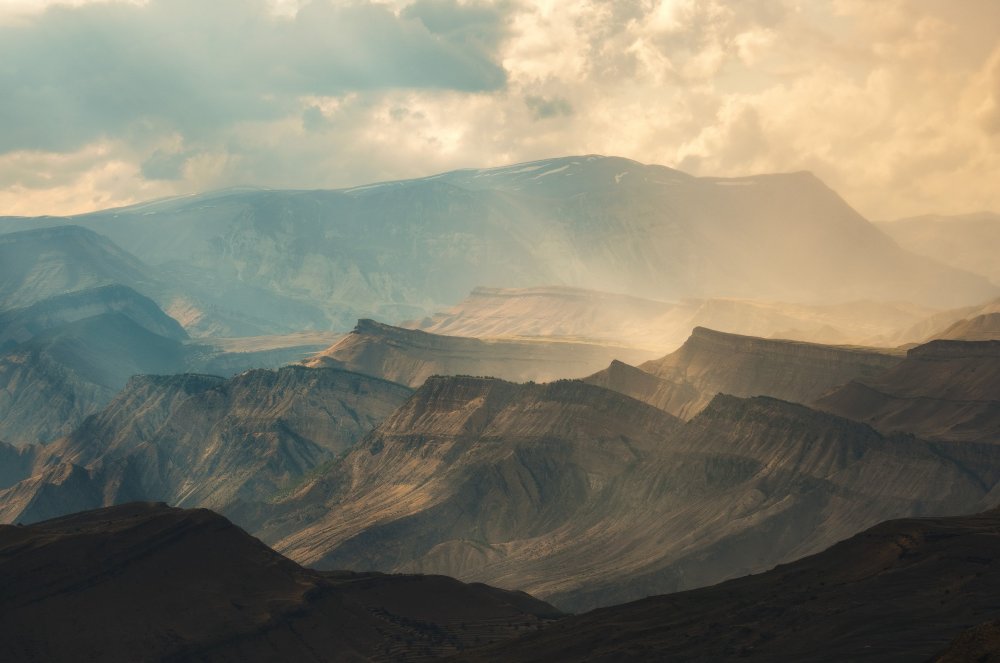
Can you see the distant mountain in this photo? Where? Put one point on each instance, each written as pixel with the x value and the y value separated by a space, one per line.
pixel 23 324
pixel 50 382
pixel 900 591
pixel 198 440
pixel 144 582
pixel 402 250
pixel 936 325
pixel 42 263
pixel 944 390
pixel 967 241
pixel 586 497
pixel 410 357
pixel 984 327
pixel 663 326
pixel 712 362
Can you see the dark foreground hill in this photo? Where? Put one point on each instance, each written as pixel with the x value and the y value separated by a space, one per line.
pixel 900 591
pixel 146 582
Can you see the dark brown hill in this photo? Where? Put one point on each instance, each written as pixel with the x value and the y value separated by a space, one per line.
pixel 146 582
pixel 900 591
pixel 945 390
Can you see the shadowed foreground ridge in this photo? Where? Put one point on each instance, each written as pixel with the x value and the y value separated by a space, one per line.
pixel 900 591
pixel 144 581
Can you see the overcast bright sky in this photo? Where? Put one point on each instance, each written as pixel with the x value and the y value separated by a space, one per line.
pixel 894 103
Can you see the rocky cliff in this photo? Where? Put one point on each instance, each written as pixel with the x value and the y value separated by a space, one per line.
pixel 948 390
pixel 410 357
pixel 588 497
pixel 712 362
pixel 198 440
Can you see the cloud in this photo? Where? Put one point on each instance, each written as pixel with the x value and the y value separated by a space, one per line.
pixel 75 74
pixel 895 104
pixel 543 108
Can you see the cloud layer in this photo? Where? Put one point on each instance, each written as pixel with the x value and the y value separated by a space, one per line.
pixel 895 104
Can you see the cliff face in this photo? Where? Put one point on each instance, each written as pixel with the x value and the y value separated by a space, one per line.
pixel 588 497
pixel 410 357
pixel 712 362
pixel 148 582
pixel 203 441
pixel 902 590
pixel 944 390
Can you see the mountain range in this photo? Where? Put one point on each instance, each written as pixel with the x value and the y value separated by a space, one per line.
pixel 290 260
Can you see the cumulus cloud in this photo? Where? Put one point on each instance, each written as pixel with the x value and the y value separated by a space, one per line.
pixel 896 104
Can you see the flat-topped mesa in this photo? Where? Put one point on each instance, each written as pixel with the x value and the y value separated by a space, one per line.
pixel 409 356
pixel 704 339
pixel 712 362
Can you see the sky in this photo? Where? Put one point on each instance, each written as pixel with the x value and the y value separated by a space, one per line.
pixel 895 104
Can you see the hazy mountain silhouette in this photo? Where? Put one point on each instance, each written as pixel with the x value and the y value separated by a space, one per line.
pixel 966 241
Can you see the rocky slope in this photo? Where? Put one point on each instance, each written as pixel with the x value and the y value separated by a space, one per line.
pixel 663 326
pixel 967 241
pixel 197 440
pixel 947 390
pixel 900 591
pixel 586 497
pixel 712 362
pixel 144 582
pixel 402 250
pixel 49 383
pixel 410 357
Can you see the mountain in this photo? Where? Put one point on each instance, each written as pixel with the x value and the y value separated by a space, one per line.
pixel 198 440
pixel 984 327
pixel 41 263
pixel 943 390
pixel 900 591
pixel 586 497
pixel 20 325
pixel 143 582
pixel 410 357
pixel 934 325
pixel 663 326
pixel 966 241
pixel 49 383
pixel 712 362
pixel 402 250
